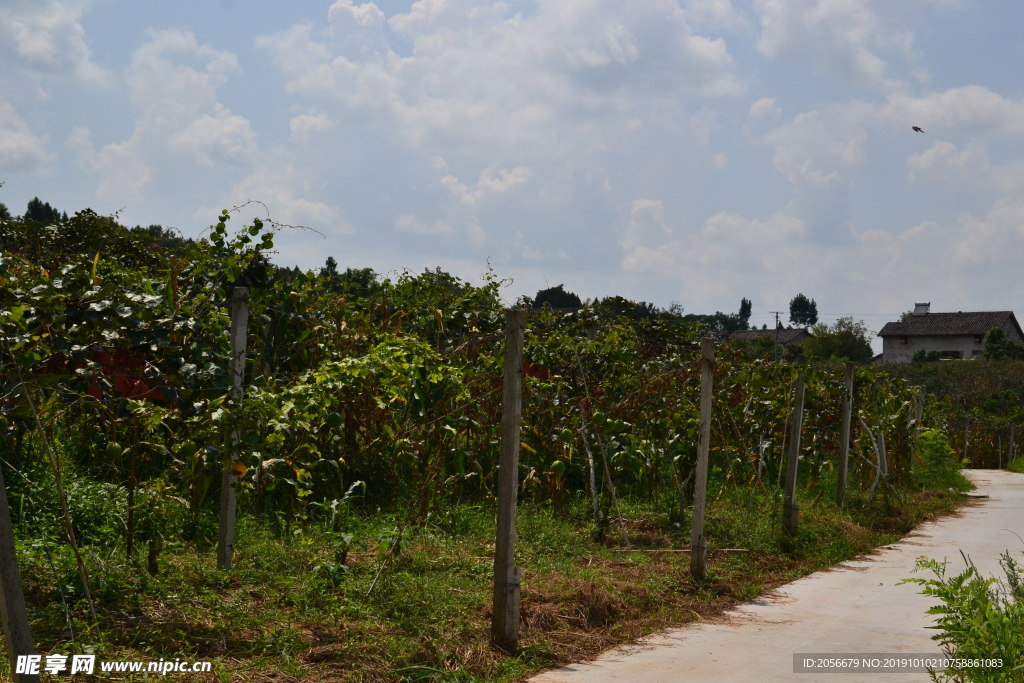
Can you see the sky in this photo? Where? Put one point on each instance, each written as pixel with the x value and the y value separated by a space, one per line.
pixel 691 151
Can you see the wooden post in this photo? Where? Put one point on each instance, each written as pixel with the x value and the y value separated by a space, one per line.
pixel 229 478
pixel 844 437
pixel 791 511
pixel 883 458
pixel 505 619
pixel 595 503
pixel 922 398
pixel 698 543
pixel 967 429
pixel 17 634
pixel 1010 454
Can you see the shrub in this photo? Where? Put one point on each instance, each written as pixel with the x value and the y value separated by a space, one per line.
pixel 845 340
pixel 978 619
pixel 922 356
pixel 940 465
pixel 1000 347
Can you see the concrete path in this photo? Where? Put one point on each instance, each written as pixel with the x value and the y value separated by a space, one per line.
pixel 856 607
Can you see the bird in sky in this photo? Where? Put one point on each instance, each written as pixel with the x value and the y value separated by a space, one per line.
pixel 917 129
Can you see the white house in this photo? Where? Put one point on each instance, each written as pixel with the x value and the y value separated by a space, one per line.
pixel 953 335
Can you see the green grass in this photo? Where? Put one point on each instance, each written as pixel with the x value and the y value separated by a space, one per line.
pixel 287 607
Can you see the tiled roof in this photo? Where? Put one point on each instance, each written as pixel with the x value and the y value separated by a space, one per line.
pixel 938 324
pixel 785 336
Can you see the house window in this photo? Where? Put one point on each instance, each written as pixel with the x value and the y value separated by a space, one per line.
pixel 978 340
pixel 903 340
pixel 975 352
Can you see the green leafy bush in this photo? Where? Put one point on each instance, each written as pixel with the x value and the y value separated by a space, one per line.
pixel 845 340
pixel 1000 347
pixel 922 356
pixel 940 465
pixel 979 618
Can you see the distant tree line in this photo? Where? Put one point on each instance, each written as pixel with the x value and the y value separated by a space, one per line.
pixel 47 235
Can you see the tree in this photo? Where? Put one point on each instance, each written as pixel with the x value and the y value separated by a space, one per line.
pixel 557 297
pixel 87 233
pixel 845 340
pixel 41 213
pixel 358 283
pixel 745 310
pixel 1000 347
pixel 330 268
pixel 167 239
pixel 803 311
pixel 5 214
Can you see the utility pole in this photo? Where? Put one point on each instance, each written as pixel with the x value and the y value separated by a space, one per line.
pixel 776 334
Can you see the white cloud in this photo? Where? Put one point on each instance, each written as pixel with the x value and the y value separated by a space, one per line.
pixel 968 170
pixel 811 145
pixel 176 114
pixel 47 39
pixel 80 142
pixel 820 151
pixel 841 38
pixel 408 222
pixel 647 242
pixel 764 107
pixel 531 254
pixel 278 185
pixel 356 29
pixel 971 107
pixel 460 130
pixel 486 78
pixel 166 91
pixel 305 126
pixel 20 148
pixel 486 184
pixel 223 137
pixel 40 42
pixel 716 14
pixel 954 263
pixel 728 242
pixel 124 172
pixel 490 121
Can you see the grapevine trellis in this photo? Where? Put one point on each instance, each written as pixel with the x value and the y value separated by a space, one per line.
pixel 394 395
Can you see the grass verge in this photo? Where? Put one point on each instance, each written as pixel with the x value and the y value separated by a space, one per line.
pixel 296 605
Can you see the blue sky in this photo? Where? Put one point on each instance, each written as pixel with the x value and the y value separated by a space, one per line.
pixel 697 151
